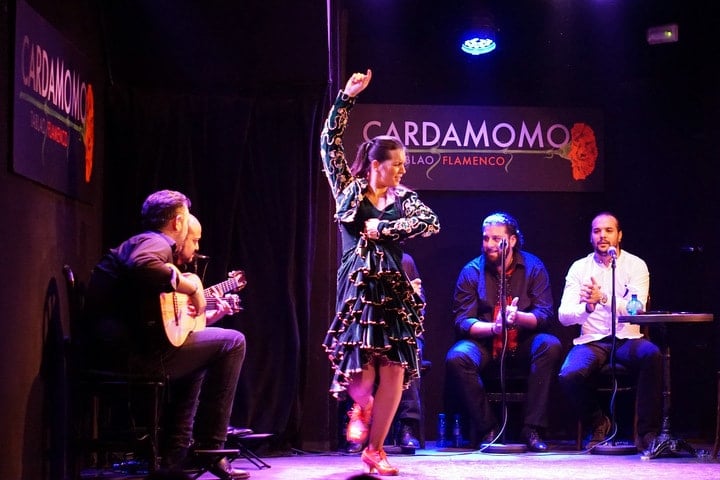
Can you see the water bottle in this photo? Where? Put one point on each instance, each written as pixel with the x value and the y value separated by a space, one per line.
pixel 634 306
pixel 457 432
pixel 132 467
pixel 442 432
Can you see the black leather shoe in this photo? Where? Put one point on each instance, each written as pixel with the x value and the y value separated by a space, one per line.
pixel 489 436
pixel 224 470
pixel 600 429
pixel 352 447
pixel 648 441
pixel 407 437
pixel 239 432
pixel 534 442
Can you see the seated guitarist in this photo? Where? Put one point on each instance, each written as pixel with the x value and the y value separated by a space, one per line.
pixel 124 317
pixel 478 317
pixel 217 307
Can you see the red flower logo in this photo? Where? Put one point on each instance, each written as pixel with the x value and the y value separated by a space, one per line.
pixel 89 132
pixel 581 151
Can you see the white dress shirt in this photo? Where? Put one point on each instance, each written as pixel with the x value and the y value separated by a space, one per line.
pixel 631 276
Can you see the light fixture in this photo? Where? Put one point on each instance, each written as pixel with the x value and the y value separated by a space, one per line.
pixel 662 34
pixel 480 37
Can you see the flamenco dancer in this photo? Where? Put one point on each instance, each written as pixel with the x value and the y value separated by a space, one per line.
pixel 372 339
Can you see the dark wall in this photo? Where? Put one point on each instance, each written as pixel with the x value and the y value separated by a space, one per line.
pixel 44 229
pixel 658 103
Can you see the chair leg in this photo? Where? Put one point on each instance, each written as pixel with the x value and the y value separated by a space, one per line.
pixel 155 427
pixel 716 446
pixel 579 439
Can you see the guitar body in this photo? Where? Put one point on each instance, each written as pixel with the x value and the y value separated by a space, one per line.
pixel 177 320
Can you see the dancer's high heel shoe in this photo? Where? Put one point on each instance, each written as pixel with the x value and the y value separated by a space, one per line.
pixel 376 461
pixel 357 427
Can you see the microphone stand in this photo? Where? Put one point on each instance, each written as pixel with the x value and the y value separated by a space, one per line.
pixel 613 448
pixel 503 447
pixel 196 265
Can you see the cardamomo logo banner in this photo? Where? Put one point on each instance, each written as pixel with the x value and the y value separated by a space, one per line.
pixel 451 147
pixel 54 108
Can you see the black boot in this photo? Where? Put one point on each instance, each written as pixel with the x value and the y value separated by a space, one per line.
pixel 174 458
pixel 407 436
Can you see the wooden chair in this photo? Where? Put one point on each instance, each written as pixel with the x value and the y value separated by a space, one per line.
pixel 116 415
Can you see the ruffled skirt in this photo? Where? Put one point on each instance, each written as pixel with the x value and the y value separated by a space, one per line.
pixel 378 314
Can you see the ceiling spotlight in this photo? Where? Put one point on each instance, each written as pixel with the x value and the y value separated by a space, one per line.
pixel 478 45
pixel 480 37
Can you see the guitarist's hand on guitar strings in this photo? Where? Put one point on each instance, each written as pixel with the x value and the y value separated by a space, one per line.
pixel 197 295
pixel 191 285
pixel 218 307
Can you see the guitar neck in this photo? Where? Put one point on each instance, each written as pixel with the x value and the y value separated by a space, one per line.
pixel 227 286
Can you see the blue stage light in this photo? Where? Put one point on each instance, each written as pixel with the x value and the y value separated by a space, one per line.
pixel 479 38
pixel 478 46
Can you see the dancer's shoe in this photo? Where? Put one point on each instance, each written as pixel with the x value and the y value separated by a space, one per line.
pixel 358 424
pixel 376 461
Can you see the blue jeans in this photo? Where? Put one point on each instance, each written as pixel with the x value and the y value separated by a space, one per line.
pixel 640 356
pixel 203 375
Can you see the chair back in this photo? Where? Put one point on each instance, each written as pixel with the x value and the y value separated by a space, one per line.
pixel 77 343
pixel 105 395
pixel 76 300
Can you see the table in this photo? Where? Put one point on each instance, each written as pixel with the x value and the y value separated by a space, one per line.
pixel 665 444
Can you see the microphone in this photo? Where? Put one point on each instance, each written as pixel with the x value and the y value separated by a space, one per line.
pixel 612 251
pixel 200 256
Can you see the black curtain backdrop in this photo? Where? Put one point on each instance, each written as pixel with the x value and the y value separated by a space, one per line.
pixel 251 168
pixel 226 105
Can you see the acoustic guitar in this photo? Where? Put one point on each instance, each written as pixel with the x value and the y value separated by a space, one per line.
pixel 176 318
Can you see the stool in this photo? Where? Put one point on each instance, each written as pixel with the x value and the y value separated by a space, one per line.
pixel 515 390
pixel 716 445
pixel 243 443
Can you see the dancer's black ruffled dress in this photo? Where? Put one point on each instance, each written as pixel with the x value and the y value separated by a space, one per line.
pixel 378 312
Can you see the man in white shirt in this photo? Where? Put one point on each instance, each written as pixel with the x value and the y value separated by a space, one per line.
pixel 587 301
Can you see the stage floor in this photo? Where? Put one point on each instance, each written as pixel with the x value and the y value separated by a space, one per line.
pixel 562 462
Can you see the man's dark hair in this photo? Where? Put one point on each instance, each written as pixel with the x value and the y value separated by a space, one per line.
pixel 511 225
pixel 160 207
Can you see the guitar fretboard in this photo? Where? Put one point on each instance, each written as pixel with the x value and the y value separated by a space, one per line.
pixel 227 286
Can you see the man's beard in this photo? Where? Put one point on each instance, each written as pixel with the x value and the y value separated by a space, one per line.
pixel 493 261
